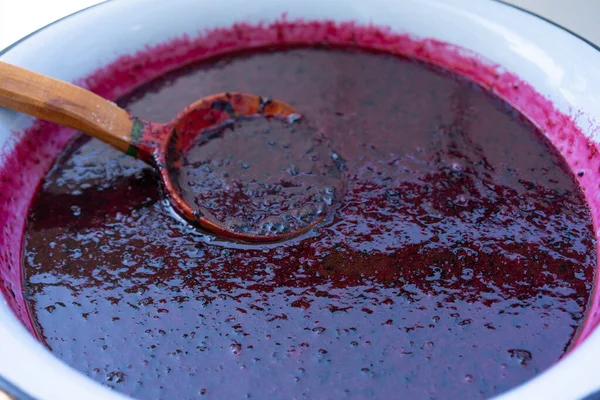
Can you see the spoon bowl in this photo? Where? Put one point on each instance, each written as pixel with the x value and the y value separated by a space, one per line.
pixel 175 138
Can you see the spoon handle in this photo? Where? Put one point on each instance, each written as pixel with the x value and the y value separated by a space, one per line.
pixel 65 104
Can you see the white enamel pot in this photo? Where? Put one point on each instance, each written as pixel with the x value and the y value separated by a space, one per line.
pixel 557 64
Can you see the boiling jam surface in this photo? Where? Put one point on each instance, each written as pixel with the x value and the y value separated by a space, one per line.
pixel 458 264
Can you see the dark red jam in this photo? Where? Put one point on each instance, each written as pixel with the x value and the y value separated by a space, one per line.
pixel 261 176
pixel 458 264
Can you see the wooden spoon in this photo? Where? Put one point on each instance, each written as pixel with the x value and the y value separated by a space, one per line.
pixel 66 104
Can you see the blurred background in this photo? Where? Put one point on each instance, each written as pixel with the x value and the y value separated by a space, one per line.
pixel 21 17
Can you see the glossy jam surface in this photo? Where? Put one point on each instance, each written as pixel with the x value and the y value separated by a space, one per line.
pixel 459 263
pixel 261 176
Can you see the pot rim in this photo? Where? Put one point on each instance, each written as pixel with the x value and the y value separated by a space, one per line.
pixel 516 392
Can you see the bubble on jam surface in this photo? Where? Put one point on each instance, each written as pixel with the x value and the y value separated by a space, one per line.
pixel 262 176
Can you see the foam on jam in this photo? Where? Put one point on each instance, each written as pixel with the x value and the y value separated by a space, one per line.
pixel 433 290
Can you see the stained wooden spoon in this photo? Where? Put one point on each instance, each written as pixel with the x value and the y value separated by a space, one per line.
pixel 159 145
